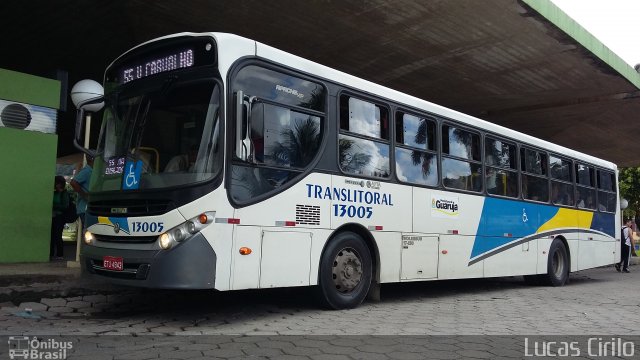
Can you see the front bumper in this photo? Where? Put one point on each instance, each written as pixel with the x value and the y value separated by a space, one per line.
pixel 189 265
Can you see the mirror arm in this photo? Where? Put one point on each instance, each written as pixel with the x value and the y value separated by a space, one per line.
pixel 79 124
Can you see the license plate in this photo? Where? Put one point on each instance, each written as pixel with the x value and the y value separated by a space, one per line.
pixel 112 263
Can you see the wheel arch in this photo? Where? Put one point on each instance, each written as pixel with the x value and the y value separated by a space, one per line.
pixel 369 241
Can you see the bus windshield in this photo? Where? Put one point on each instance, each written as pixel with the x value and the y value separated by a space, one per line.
pixel 168 128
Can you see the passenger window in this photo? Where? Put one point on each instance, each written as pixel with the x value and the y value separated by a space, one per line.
pixel 535 184
pixel 501 174
pixel 562 191
pixel 585 189
pixel 364 118
pixel 460 143
pixel 416 159
pixel 585 175
pixel 461 166
pixel 283 137
pixel 560 169
pixel 607 199
pixel 363 145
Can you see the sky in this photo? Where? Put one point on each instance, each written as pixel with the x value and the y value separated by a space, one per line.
pixel 616 23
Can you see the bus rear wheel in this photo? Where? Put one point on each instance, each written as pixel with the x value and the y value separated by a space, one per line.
pixel 557 264
pixel 344 275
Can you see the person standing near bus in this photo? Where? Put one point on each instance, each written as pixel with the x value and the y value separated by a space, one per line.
pixel 626 245
pixel 60 203
pixel 80 185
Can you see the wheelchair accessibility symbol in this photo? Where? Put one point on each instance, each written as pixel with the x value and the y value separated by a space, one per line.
pixel 131 180
pixel 524 216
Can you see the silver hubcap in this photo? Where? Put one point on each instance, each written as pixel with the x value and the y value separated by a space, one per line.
pixel 347 270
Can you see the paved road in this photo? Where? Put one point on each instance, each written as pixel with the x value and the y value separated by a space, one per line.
pixel 598 301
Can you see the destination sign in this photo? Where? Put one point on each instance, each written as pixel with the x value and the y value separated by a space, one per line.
pixel 152 66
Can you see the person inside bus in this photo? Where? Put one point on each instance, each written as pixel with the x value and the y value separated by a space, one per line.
pixel 184 162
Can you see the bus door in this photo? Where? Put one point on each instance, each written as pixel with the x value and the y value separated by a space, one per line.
pixel 419 256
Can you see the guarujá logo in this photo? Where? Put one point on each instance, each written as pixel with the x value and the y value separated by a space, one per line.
pixel 447 207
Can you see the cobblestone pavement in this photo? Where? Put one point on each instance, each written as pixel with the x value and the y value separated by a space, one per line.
pixel 598 301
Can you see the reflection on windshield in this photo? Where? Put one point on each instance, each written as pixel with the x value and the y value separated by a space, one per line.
pixel 171 134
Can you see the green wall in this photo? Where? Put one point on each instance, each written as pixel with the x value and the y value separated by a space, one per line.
pixel 29 89
pixel 28 161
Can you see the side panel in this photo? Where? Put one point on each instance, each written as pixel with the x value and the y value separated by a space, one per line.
pixel 419 257
pixel 246 268
pixel 285 259
pixel 454 258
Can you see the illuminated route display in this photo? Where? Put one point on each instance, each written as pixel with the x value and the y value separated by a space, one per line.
pixel 161 58
pixel 178 60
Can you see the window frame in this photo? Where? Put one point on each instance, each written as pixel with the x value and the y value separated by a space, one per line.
pixel 571 181
pixel 599 190
pixel 229 109
pixel 523 172
pixel 437 139
pixel 377 102
pixel 444 156
pixel 592 175
pixel 485 166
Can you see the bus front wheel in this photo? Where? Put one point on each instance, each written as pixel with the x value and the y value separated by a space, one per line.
pixel 344 275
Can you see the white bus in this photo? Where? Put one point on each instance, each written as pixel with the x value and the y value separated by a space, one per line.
pixel 224 163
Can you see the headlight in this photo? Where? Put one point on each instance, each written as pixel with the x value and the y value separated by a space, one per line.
pixel 89 238
pixel 166 241
pixel 185 230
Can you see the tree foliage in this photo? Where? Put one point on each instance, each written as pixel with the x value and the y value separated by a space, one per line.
pixel 630 189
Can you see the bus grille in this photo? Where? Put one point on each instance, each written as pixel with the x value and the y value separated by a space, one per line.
pixel 307 215
pixel 123 208
pixel 126 239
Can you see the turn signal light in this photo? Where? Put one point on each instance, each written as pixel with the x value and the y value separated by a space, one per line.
pixel 245 251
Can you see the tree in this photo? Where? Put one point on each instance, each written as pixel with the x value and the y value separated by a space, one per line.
pixel 629 179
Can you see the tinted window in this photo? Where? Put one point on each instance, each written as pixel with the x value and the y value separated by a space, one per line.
pixel 281 88
pixel 363 145
pixel 499 153
pixel 463 175
pixel 501 182
pixel 606 180
pixel 415 131
pixel 460 143
pixel 560 168
pixel 417 167
pixel 533 162
pixel 562 193
pixel 585 198
pixel 285 132
pixel 363 157
pixel 584 175
pixel 282 137
pixel 535 188
pixel 364 118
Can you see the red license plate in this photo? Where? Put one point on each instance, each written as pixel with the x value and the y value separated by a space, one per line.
pixel 112 263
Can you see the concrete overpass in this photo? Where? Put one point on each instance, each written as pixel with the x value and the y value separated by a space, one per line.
pixel 519 63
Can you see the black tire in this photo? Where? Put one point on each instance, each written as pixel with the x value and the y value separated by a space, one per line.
pixel 557 264
pixel 344 275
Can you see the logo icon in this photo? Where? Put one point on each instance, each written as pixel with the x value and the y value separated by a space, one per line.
pixel 524 215
pixel 116 228
pixel 19 347
pixel 132 173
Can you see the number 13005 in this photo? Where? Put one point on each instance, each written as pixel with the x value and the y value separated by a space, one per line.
pixel 147 226
pixel 361 212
